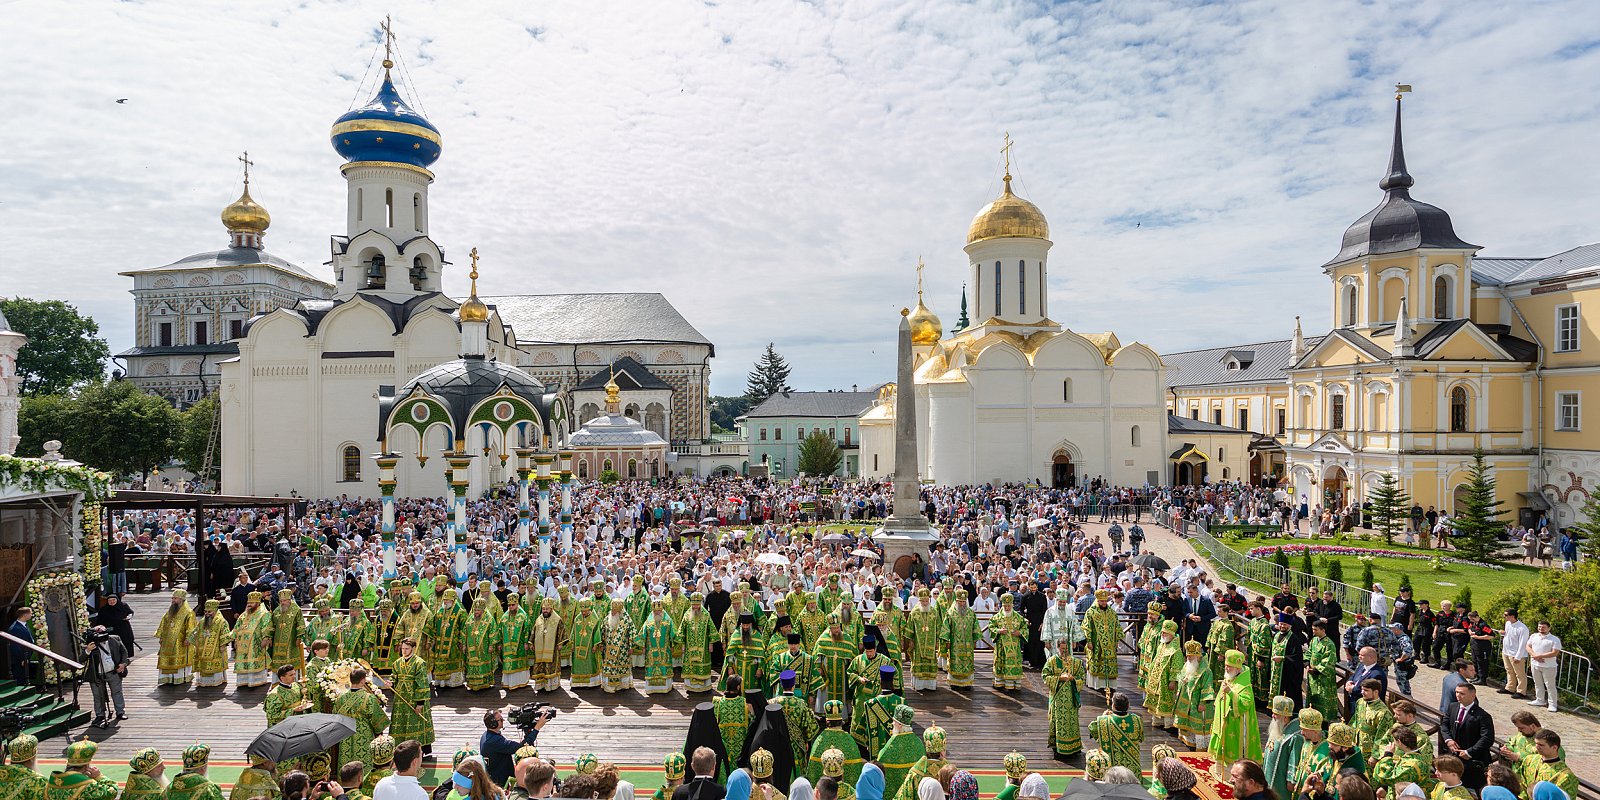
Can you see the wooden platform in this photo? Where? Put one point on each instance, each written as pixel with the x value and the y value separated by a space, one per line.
pixel 983 724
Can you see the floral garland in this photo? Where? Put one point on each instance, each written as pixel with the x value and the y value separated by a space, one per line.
pixel 91 542
pixel 335 678
pixel 1364 553
pixel 34 595
pixel 40 476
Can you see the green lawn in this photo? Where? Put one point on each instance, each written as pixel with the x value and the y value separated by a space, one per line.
pixel 1426 583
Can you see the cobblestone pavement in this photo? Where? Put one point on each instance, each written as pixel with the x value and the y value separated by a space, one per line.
pixel 1579 735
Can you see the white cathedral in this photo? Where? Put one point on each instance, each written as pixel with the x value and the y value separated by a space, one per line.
pixel 1017 397
pixel 330 379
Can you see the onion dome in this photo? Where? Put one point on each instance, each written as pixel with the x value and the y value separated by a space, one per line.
pixel 474 310
pixel 925 326
pixel 1399 223
pixel 1008 215
pixel 245 215
pixel 386 129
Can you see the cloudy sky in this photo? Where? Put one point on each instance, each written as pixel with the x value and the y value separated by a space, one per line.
pixel 776 167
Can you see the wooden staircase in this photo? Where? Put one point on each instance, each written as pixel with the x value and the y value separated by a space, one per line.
pixel 51 717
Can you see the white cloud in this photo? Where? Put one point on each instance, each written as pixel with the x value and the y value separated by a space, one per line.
pixel 776 168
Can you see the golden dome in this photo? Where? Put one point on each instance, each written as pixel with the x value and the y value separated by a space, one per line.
pixel 925 326
pixel 246 215
pixel 1008 215
pixel 473 310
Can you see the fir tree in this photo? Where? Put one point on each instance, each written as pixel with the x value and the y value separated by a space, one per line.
pixel 1391 506
pixel 820 454
pixel 1335 570
pixel 1477 522
pixel 1405 581
pixel 770 376
pixel 1305 562
pixel 1588 530
pixel 1367 578
pixel 1280 558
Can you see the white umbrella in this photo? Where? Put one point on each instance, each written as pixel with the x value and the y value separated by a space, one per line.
pixel 865 553
pixel 773 558
pixel 1038 523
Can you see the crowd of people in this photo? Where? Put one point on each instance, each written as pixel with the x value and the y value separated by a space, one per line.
pixel 803 639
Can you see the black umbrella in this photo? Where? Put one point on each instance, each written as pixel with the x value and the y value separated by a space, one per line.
pixel 1151 561
pixel 301 735
pixel 1089 790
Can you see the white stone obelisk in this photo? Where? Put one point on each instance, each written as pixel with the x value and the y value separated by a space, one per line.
pixel 906 532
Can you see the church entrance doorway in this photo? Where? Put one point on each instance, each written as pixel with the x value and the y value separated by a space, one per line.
pixel 1063 474
pixel 1334 487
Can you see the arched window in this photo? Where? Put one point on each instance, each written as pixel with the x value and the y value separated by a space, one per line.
pixel 633 467
pixel 1458 410
pixel 655 468
pixel 1133 436
pixel 388 207
pixel 361 201
pixel 997 293
pixel 583 468
pixel 846 437
pixel 1336 412
pixel 606 467
pixel 1022 287
pixel 1350 307
pixel 351 461
pixel 1441 297
pixel 416 212
pixel 1066 390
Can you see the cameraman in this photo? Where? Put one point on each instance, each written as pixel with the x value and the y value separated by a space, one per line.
pixel 107 660
pixel 497 750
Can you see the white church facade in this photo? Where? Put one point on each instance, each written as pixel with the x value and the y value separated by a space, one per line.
pixel 308 404
pixel 1018 397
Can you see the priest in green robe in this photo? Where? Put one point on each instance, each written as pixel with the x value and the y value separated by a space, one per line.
pixel 891 625
pixel 286 698
pixel 1102 631
pixel 1235 732
pixel 833 737
pixel 75 782
pixel 790 659
pixel 1120 734
pixel 932 761
pixel 1196 692
pixel 357 636
pixel 901 752
pixel 447 642
pixel 1063 676
pixel 324 626
pixel 412 706
pixel 1400 761
pixel 801 721
pixel 1340 752
pixel 1281 755
pixel 254 781
pixel 481 647
pixel 1262 632
pixel 210 639
pixel 192 783
pixel 922 641
pixel 288 632
pixel 252 644
pixel 19 780
pixel 1224 636
pixel 1322 678
pixel 655 639
pixel 865 672
pixel 1008 630
pixel 958 634
pixel 1145 646
pixel 567 609
pixel 516 659
pixel 588 647
pixel 811 622
pixel 1373 718
pixel 695 636
pixel 1161 689
pixel 360 703
pixel 834 655
pixel 384 644
pixel 873 715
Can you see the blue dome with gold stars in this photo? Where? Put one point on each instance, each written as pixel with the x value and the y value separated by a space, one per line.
pixel 386 129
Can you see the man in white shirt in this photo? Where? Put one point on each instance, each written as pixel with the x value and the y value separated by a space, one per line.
pixel 402 785
pixel 1513 652
pixel 1544 655
pixel 1379 606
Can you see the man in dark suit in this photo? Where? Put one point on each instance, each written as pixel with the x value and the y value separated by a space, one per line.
pixel 703 786
pixel 1033 605
pixel 1367 666
pixel 1198 612
pixel 21 657
pixel 1467 732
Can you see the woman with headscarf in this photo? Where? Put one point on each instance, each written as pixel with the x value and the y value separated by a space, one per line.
pixel 1177 779
pixel 870 785
pixel 801 789
pixel 963 786
pixel 1545 790
pixel 739 785
pixel 1034 787
pixel 929 789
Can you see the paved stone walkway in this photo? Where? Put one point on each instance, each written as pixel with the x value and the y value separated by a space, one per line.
pixel 1579 735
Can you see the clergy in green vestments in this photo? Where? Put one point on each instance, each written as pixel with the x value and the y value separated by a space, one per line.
pixel 932 761
pixel 1102 632
pixel 834 653
pixel 192 783
pixel 901 752
pixel 873 715
pixel 833 737
pixel 1008 630
pixel 745 654
pixel 1322 657
pixel 210 639
pixel 357 635
pixel 412 706
pixel 1197 691
pixel 864 673
pixel 1063 674
pixel 446 643
pixel 481 647
pixel 617 645
pixel 802 722
pixel 323 626
pixel 958 637
pixel 516 659
pixel 1235 732
pixel 361 704
pixel 1161 691
pixel 252 644
pixel 655 639
pixel 1120 734
pixel 922 641
pixel 695 635
pixel 1340 752
pixel 587 647
pixel 1373 718
pixel 1281 751
pixel 790 659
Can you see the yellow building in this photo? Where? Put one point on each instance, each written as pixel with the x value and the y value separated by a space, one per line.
pixel 1435 353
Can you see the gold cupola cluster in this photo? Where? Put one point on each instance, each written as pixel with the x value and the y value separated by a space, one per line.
pixel 1008 215
pixel 474 310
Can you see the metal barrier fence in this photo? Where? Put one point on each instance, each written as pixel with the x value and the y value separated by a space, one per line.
pixel 1574 675
pixel 1268 574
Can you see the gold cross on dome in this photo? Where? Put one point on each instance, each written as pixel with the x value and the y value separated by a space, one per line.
pixel 1006 151
pixel 388 41
pixel 245 159
pixel 474 256
pixel 919 278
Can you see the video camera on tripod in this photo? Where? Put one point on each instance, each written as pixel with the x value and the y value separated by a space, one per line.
pixel 528 716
